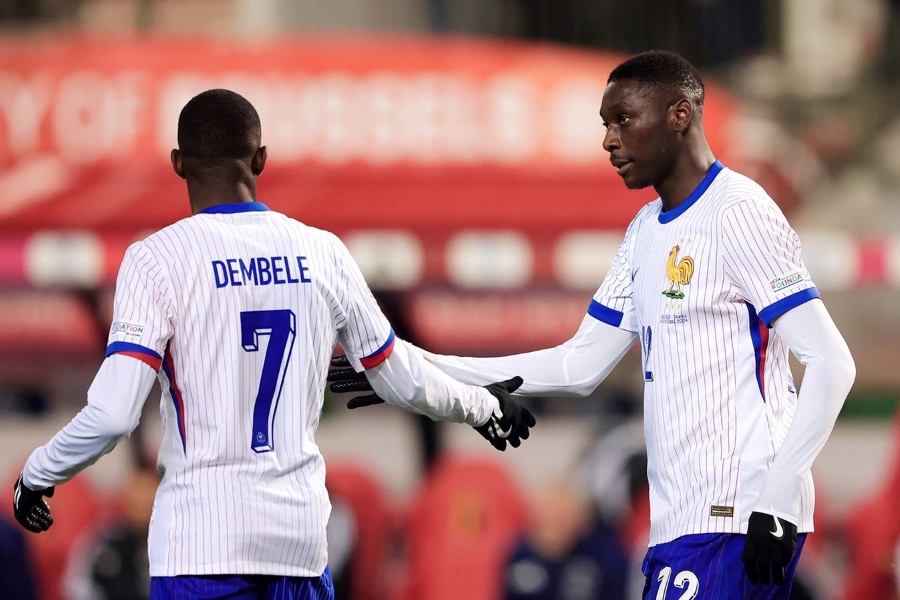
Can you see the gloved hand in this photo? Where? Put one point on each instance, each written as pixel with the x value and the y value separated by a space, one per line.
pixel 344 379
pixel 769 548
pixel 508 425
pixel 30 509
pixel 511 422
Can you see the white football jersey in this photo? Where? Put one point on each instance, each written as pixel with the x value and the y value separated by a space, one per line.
pixel 239 309
pixel 701 284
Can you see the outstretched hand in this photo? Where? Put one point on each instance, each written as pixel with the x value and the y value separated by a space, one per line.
pixel 512 422
pixel 30 509
pixel 508 425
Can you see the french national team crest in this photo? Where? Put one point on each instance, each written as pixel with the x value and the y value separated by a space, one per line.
pixel 679 273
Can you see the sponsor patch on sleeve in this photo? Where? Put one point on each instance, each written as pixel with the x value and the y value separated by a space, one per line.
pixel 127 329
pixel 789 279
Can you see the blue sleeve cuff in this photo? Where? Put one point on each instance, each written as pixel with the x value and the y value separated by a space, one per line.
pixel 380 355
pixel 142 353
pixel 129 347
pixel 605 314
pixel 775 310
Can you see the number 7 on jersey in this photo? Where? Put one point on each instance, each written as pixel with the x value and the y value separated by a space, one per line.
pixel 280 326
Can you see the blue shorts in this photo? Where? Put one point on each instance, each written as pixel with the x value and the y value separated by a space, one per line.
pixel 708 566
pixel 242 587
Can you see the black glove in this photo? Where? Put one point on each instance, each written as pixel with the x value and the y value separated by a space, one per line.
pixel 511 426
pixel 30 509
pixel 344 380
pixel 514 421
pixel 769 548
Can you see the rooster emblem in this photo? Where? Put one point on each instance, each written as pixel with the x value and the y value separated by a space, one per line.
pixel 679 273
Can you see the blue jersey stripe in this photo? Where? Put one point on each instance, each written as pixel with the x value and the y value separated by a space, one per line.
pixel 605 314
pixel 230 209
pixel 380 355
pixel 129 347
pixel 776 309
pixel 177 400
pixel 670 215
pixel 759 335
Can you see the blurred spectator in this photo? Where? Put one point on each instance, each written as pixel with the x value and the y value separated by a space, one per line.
pixel 614 473
pixel 114 565
pixel 568 554
pixel 16 580
pixel 342 538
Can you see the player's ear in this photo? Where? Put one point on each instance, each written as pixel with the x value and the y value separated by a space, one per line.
pixel 176 162
pixel 681 113
pixel 258 162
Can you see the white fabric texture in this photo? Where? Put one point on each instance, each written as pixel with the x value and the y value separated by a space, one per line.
pixel 572 369
pixel 815 340
pixel 407 380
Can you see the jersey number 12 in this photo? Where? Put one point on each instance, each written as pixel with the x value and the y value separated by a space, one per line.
pixel 682 580
pixel 281 327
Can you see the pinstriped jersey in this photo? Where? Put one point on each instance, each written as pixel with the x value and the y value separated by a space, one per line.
pixel 701 285
pixel 239 309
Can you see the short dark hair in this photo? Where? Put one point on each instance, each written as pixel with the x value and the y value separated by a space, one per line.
pixel 218 124
pixel 661 70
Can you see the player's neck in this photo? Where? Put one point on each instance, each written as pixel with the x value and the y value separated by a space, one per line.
pixel 213 193
pixel 685 176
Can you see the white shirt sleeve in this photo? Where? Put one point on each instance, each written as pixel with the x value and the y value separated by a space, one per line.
pixel 613 303
pixel 114 404
pixel 406 379
pixel 761 254
pixel 363 330
pixel 143 313
pixel 814 338
pixel 572 369
pixel 575 368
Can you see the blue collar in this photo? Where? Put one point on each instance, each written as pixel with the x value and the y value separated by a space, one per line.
pixel 230 209
pixel 670 215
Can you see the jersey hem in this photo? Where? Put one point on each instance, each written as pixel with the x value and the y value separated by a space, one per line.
pixel 242 568
pixel 743 531
pixel 709 536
